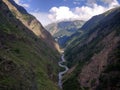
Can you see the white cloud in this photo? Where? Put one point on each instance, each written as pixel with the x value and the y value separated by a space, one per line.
pixel 61 13
pixel 113 3
pixel 86 12
pixel 19 2
pixel 82 13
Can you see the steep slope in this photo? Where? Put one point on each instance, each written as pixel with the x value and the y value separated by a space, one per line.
pixel 26 61
pixel 94 55
pixel 64 30
pixel 31 22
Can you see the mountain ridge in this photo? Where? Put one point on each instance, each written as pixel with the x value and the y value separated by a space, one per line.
pixel 88 55
pixel 26 60
pixel 32 23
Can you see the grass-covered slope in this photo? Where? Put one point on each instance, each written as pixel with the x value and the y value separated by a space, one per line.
pixel 26 61
pixel 89 54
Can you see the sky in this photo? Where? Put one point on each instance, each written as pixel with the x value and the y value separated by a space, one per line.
pixel 48 11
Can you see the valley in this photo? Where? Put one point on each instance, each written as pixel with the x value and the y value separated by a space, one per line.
pixel 63 55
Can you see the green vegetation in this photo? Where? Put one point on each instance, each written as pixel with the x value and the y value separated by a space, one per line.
pixel 26 62
pixel 71 82
pixel 87 51
pixel 88 44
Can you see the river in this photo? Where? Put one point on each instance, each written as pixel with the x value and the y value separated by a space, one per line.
pixel 60 75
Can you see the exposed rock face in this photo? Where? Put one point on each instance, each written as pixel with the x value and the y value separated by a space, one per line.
pixel 110 77
pixel 32 23
pixel 89 76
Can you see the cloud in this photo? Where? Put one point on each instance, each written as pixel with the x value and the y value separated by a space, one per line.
pixel 86 12
pixel 61 13
pixel 19 2
pixel 77 13
pixel 113 3
pixel 81 13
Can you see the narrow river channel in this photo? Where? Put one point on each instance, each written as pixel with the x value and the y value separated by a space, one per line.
pixel 62 72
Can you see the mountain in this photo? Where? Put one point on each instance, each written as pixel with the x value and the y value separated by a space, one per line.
pixel 28 54
pixel 63 31
pixel 94 56
pixel 31 22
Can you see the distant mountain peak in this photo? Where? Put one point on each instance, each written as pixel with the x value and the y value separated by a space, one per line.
pixel 62 31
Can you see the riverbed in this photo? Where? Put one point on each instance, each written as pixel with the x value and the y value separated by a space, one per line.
pixel 60 75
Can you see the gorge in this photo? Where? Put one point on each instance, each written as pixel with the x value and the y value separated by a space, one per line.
pixel 30 58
